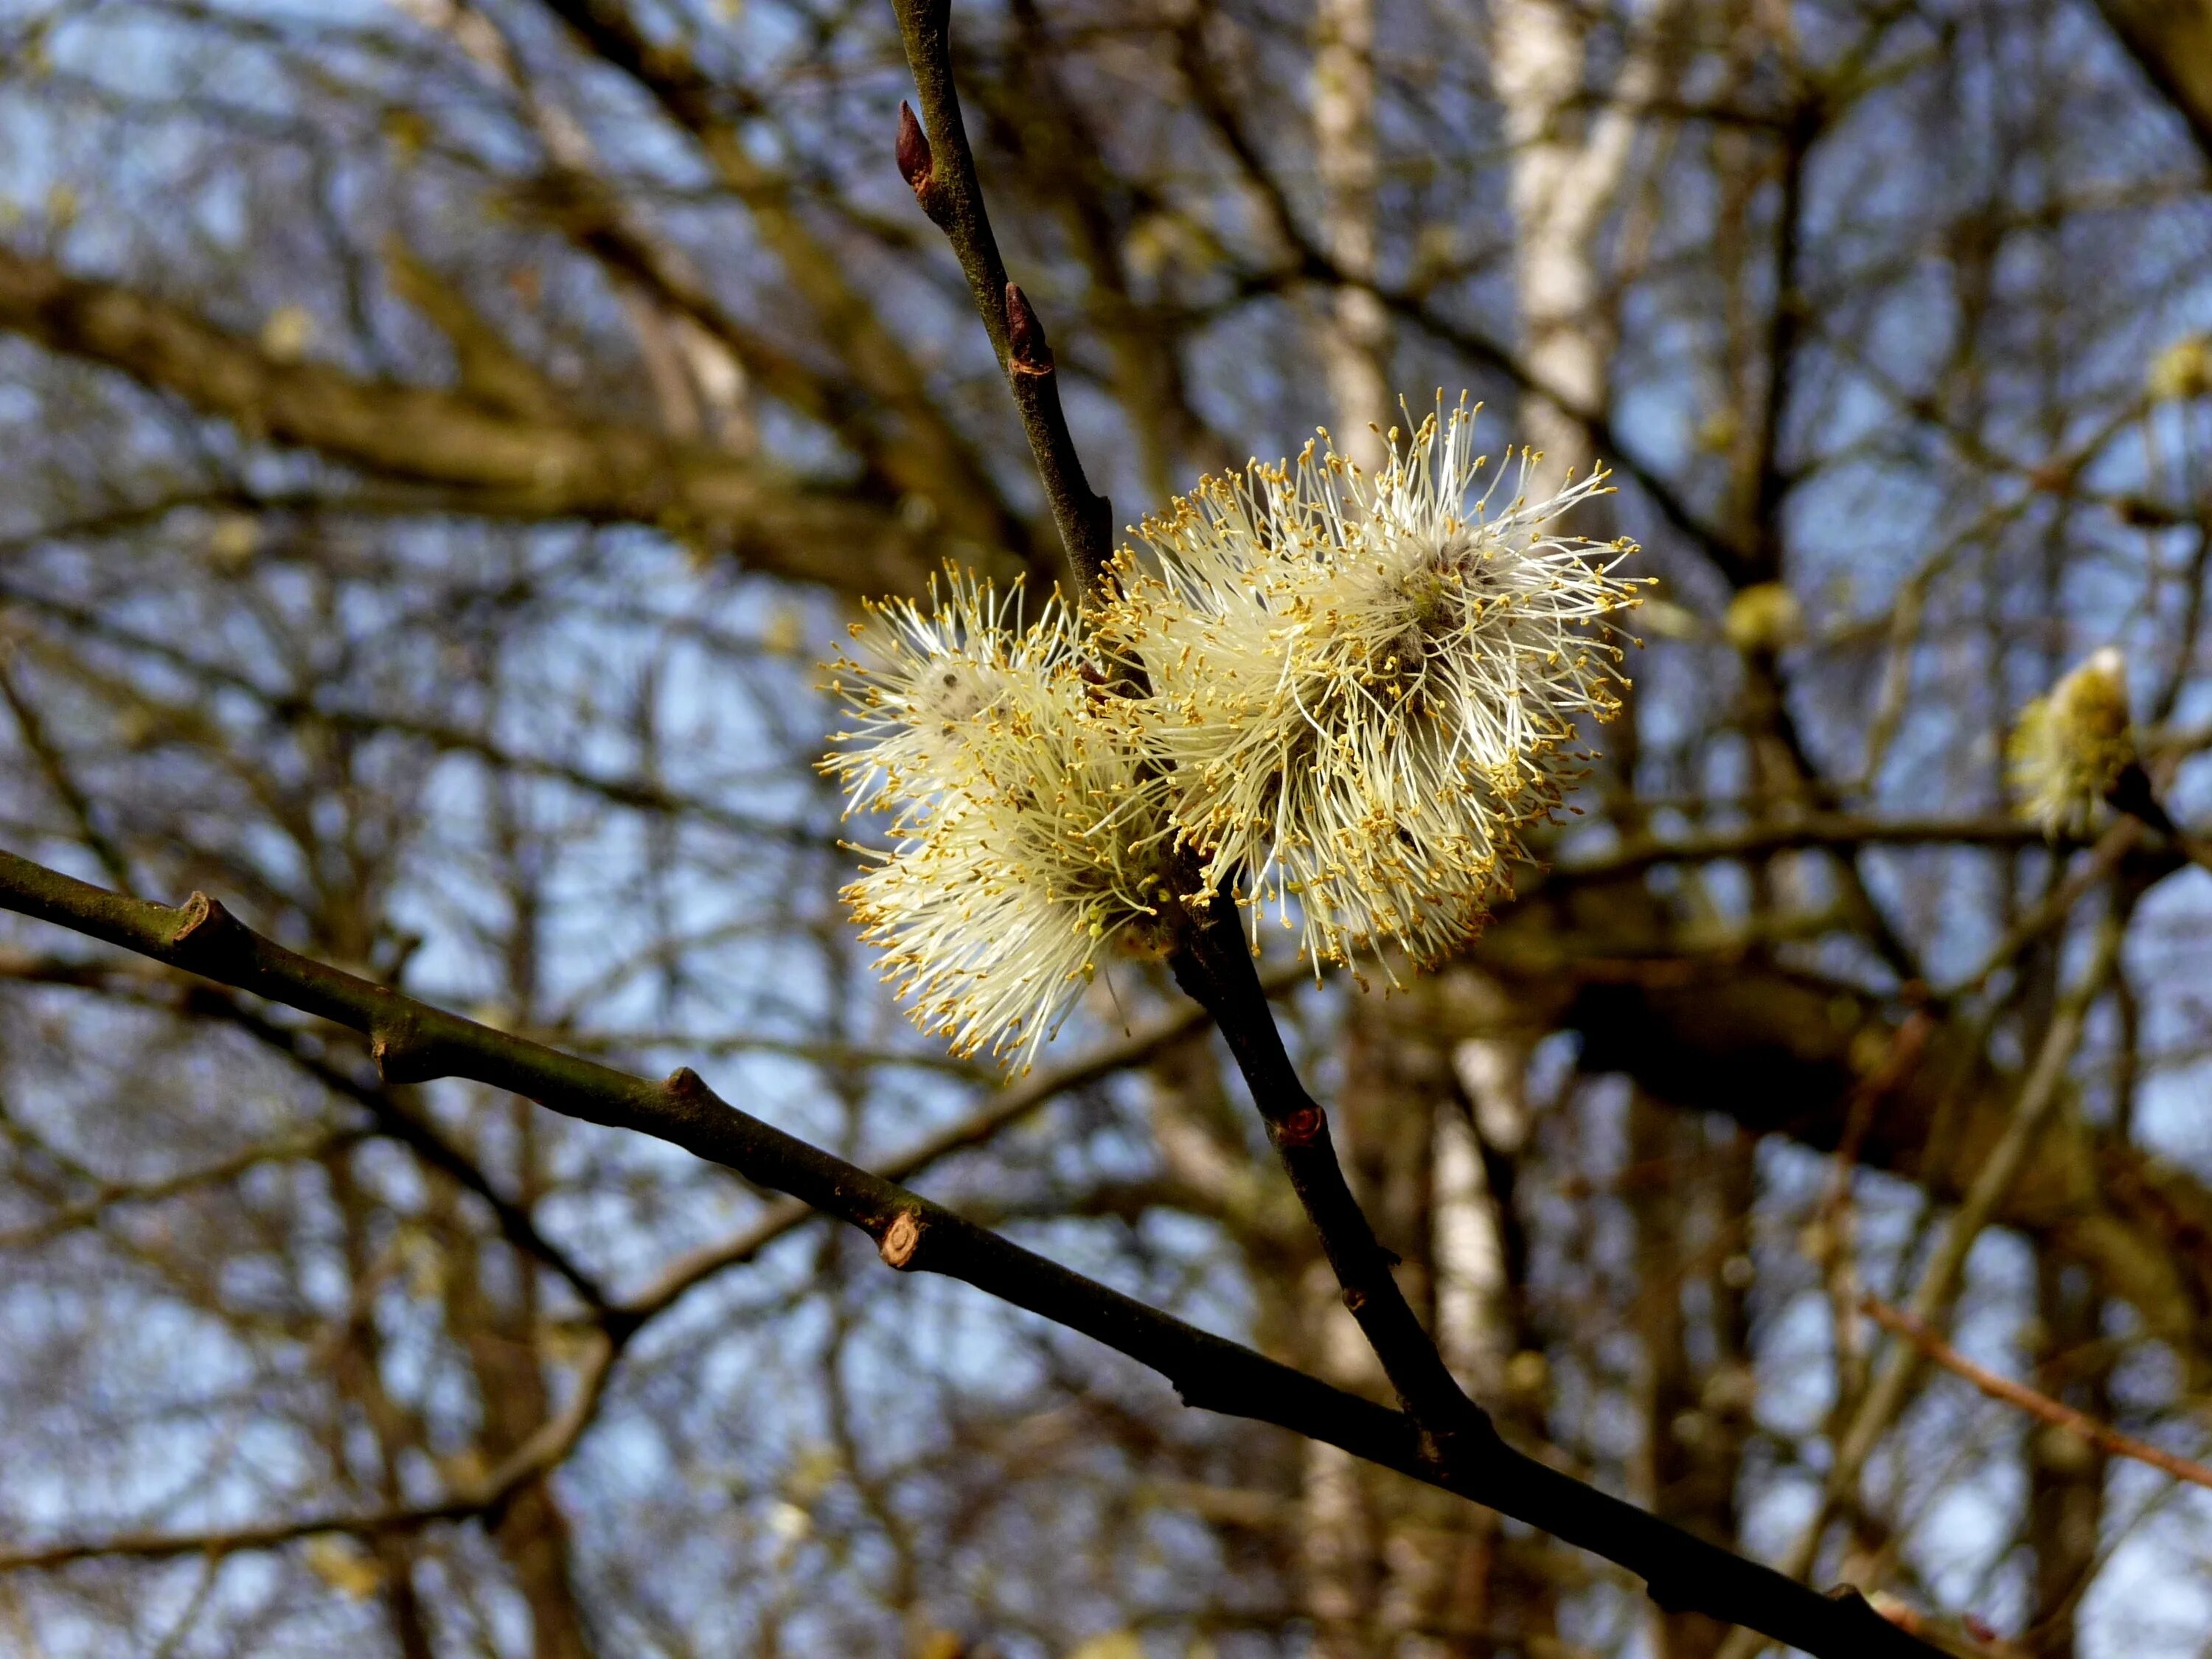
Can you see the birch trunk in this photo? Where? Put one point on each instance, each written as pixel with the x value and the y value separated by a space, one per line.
pixel 1565 175
pixel 1355 340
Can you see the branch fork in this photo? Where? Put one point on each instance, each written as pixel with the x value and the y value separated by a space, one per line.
pixel 1456 1442
pixel 1456 1450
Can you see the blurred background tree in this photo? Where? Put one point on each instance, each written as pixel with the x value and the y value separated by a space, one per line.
pixel 442 438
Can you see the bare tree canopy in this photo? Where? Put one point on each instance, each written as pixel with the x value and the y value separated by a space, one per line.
pixel 443 441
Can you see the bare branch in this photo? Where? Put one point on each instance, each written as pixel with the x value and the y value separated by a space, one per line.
pixel 508 465
pixel 486 1499
pixel 413 1041
pixel 2103 1436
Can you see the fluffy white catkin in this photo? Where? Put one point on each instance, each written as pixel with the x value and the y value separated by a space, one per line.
pixel 1335 697
pixel 1026 838
pixel 1364 686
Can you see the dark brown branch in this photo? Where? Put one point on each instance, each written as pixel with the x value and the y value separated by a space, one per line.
pixel 935 160
pixel 415 1041
pixel 1215 967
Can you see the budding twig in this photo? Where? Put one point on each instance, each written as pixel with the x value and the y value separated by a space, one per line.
pixel 938 165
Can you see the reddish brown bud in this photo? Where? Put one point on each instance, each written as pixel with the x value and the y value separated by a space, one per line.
pixel 1301 1127
pixel 915 165
pixel 1025 342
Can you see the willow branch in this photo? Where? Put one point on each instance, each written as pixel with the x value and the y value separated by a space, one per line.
pixel 1457 1445
pixel 413 1041
pixel 1214 966
pixel 937 162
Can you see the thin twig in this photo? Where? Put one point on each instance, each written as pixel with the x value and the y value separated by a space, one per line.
pixel 935 157
pixel 1214 964
pixel 485 1499
pixel 2102 1435
pixel 1893 1381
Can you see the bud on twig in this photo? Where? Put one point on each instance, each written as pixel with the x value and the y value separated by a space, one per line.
pixel 1025 342
pixel 916 164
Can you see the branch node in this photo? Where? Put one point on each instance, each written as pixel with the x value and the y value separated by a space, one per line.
pixel 917 165
pixel 1204 1392
pixel 901 1241
pixel 1300 1128
pixel 403 1053
pixel 1027 350
pixel 206 930
pixel 687 1085
pixel 1454 1451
